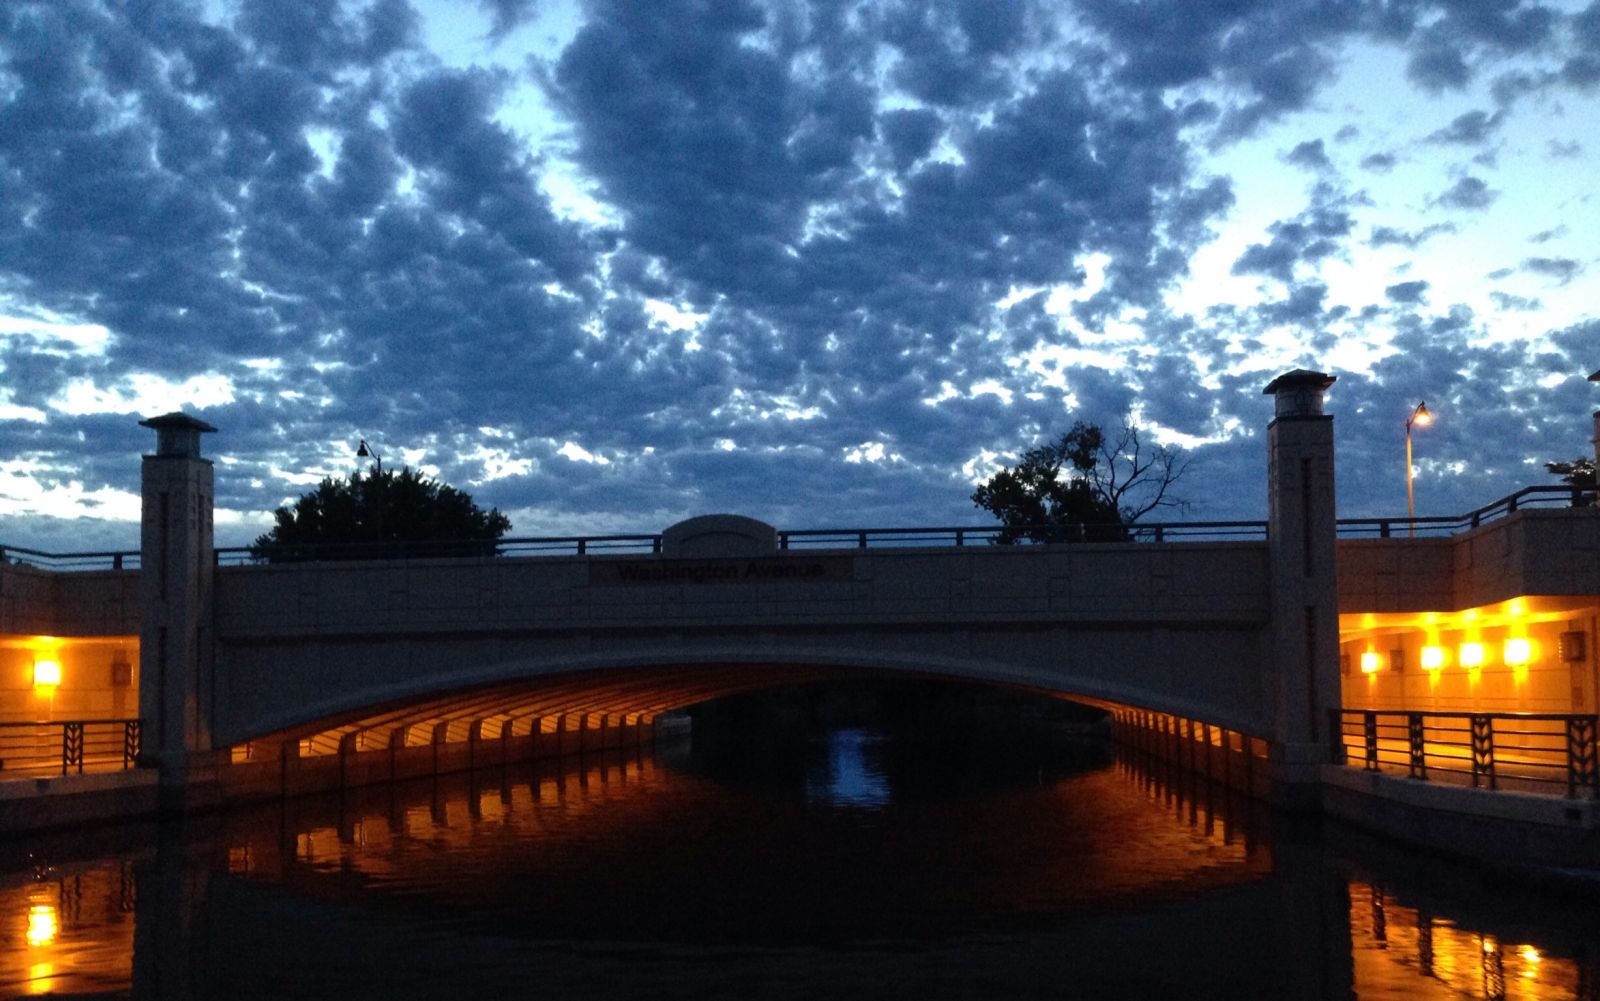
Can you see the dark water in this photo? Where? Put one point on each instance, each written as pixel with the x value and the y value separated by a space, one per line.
pixel 851 866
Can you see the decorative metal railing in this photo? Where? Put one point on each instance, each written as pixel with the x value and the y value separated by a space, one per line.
pixel 63 747
pixel 1525 752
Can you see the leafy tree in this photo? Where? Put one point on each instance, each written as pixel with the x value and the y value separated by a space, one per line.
pixel 1578 472
pixel 1083 487
pixel 381 515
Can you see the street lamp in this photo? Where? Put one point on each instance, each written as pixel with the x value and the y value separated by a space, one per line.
pixel 1421 418
pixel 364 450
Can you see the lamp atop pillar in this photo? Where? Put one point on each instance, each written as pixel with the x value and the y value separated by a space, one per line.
pixel 177 434
pixel 1299 393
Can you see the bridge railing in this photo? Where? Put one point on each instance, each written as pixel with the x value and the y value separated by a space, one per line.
pixel 124 559
pixel 818 538
pixel 1548 496
pixel 986 535
pixel 1526 752
pixel 67 747
pixel 578 545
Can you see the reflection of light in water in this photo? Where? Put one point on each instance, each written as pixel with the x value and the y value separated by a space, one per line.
pixel 850 779
pixel 1408 953
pixel 43 927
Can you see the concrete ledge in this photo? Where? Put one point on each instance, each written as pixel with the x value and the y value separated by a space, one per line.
pixel 1505 828
pixel 72 800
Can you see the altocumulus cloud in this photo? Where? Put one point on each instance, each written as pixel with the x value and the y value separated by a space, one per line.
pixel 611 265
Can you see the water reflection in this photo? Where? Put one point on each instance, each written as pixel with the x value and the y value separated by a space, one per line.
pixel 651 877
pixel 1400 950
pixel 67 932
pixel 851 775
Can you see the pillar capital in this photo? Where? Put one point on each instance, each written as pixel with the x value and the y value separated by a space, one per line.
pixel 177 435
pixel 1298 393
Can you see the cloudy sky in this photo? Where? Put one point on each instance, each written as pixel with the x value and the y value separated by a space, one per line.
pixel 823 262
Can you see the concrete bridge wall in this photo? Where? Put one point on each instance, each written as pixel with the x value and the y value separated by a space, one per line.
pixel 1533 552
pixel 37 602
pixel 1181 626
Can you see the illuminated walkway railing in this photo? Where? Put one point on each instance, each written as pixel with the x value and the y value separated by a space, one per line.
pixel 1526 752
pixel 67 747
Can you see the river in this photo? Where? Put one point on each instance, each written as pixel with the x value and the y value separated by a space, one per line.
pixel 847 864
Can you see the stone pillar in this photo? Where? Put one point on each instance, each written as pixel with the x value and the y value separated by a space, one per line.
pixel 175 628
pixel 1304 680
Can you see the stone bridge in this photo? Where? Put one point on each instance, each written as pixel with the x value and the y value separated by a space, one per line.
pixel 249 670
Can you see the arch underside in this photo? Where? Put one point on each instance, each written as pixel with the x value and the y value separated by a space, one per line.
pixel 587 699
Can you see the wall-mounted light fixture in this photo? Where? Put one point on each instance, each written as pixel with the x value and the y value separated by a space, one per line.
pixel 46 673
pixel 1519 651
pixel 1370 662
pixel 1432 657
pixel 1471 656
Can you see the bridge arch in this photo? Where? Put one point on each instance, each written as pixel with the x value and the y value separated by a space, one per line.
pixel 520 696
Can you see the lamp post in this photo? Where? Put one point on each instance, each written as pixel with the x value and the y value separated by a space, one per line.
pixel 363 450
pixel 1421 418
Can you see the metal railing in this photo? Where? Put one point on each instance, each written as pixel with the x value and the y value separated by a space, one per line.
pixel 1552 496
pixel 985 535
pixel 63 747
pixel 124 559
pixel 792 539
pixel 1524 752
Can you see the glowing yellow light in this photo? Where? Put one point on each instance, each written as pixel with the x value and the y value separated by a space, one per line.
pixel 46 673
pixel 1529 953
pixel 39 977
pixel 42 926
pixel 1519 651
pixel 1471 655
pixel 1517 607
pixel 1369 662
pixel 1432 658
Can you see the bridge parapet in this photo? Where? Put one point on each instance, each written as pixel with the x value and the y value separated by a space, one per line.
pixel 1540 551
pixel 1106 583
pixel 86 603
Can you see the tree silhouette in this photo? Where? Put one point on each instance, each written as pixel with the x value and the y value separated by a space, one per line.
pixel 1083 487
pixel 381 514
pixel 1578 472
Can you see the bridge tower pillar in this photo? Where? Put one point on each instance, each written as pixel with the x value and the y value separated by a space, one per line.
pixel 1301 532
pixel 175 634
